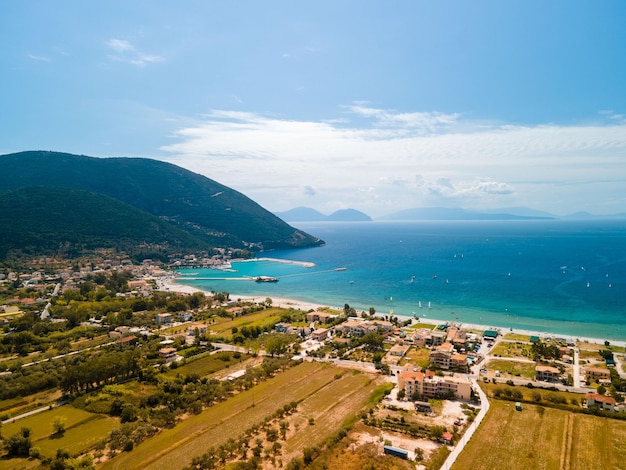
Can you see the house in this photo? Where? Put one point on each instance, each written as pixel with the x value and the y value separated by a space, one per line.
pixel 185 316
pixel 163 318
pixel 340 342
pixel 490 335
pixel 382 326
pixel 447 438
pixel 399 350
pixel 547 373
pixel 197 328
pixel 135 285
pixel 320 334
pixel 597 373
pixel 126 340
pixel 124 330
pixel 456 386
pixel 169 354
pixel 442 356
pixel 282 327
pixel 459 362
pixel 428 384
pixel 420 335
pixel 436 338
pixel 321 317
pixel 601 401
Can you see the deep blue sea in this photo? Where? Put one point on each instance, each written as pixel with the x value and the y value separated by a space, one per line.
pixel 558 277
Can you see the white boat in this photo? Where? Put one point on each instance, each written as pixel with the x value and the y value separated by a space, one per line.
pixel 419 304
pixel 428 304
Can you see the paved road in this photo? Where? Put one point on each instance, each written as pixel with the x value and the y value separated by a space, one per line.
pixel 34 412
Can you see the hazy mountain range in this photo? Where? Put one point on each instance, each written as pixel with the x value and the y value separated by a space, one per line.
pixel 302 214
pixel 306 214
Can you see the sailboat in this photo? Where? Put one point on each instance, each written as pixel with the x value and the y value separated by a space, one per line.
pixel 419 304
pixel 429 304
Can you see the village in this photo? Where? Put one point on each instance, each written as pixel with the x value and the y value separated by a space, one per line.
pixel 434 370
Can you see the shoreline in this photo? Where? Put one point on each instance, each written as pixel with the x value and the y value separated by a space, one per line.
pixel 171 285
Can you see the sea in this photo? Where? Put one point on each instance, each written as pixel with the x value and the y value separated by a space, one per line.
pixel 561 278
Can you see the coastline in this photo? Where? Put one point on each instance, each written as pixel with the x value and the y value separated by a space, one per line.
pixel 171 285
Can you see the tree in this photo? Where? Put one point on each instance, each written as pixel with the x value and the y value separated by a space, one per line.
pixel 276 345
pixel 268 302
pixel 373 342
pixel 58 425
pixel 18 445
pixel 601 389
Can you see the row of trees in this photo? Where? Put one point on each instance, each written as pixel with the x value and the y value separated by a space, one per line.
pixel 100 369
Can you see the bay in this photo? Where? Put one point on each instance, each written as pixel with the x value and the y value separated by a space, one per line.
pixel 560 277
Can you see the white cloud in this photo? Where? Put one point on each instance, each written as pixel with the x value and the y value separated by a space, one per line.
pixel 39 58
pixel 120 45
pixel 125 51
pixel 401 160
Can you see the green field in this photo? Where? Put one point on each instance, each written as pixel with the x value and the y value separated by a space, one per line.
pixel 209 364
pixel 83 430
pixel 543 438
pixel 263 318
pixel 512 349
pixel 174 448
pixel 517 337
pixel 519 369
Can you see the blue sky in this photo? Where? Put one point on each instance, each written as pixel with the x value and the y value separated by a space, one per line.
pixel 378 106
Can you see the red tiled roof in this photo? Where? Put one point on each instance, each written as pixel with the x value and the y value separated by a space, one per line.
pixel 601 398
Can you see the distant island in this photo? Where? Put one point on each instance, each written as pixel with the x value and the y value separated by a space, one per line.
pixel 307 214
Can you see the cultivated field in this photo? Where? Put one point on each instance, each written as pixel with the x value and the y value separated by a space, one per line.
pixel 262 318
pixel 544 438
pixel 83 430
pixel 209 364
pixel 325 393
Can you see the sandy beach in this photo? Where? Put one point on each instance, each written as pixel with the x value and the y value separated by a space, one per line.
pixel 169 284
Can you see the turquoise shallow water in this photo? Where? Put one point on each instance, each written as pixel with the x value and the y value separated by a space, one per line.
pixel 554 276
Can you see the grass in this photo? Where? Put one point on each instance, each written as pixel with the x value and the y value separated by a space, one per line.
pixel 511 349
pixel 83 430
pixel 262 318
pixel 517 369
pixel 543 438
pixel 352 392
pixel 528 393
pixel 174 448
pixel 517 337
pixel 19 405
pixel 208 365
pixel 79 438
pixel 416 356
pixel 41 423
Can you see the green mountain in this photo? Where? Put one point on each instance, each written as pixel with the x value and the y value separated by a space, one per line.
pixel 52 220
pixel 205 209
